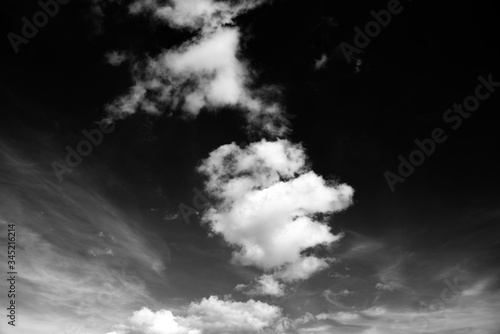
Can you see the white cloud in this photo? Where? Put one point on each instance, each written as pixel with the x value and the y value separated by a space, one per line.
pixel 382 286
pixel 469 314
pixel 375 311
pixel 115 58
pixel 302 269
pixel 210 68
pixel 161 322
pixel 320 63
pixel 476 289
pixel 204 15
pixel 210 315
pixel 306 318
pixel 342 317
pixel 79 253
pixel 267 201
pixel 265 285
pixel 335 297
pixel 317 329
pixel 205 72
pixel 344 292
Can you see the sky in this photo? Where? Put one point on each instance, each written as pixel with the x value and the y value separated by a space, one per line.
pixel 257 166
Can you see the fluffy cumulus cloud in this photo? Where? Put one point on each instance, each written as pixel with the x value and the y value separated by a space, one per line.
pixel 204 73
pixel 268 201
pixel 303 268
pixel 204 15
pixel 147 321
pixel 265 285
pixel 115 58
pixel 210 315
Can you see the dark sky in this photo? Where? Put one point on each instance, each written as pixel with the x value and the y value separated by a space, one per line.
pixel 353 121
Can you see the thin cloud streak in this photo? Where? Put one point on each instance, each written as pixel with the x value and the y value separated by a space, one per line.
pixel 77 252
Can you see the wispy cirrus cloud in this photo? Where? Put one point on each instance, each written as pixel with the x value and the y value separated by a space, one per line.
pixel 76 252
pixel 469 314
pixel 424 292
